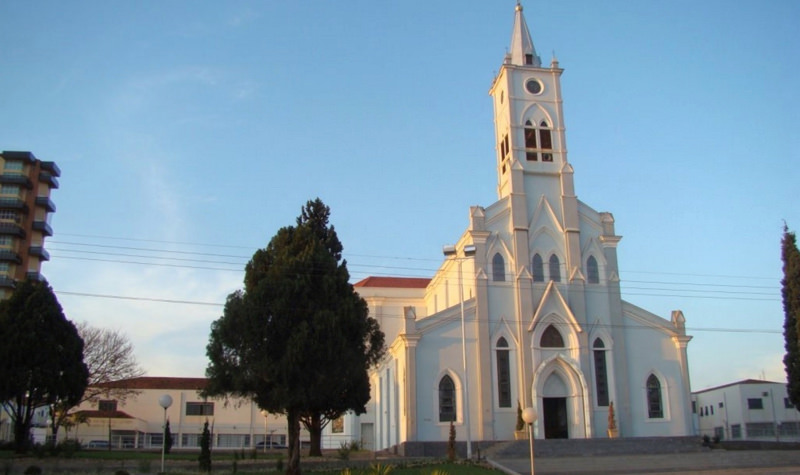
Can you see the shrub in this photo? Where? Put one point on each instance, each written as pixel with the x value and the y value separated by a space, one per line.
pixel 344 451
pixel 355 445
pixel 380 469
pixel 33 470
pixel 121 472
pixel 279 464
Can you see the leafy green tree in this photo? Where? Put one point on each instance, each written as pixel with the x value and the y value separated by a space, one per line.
pixel 205 449
pixel 298 339
pixel 791 310
pixel 41 357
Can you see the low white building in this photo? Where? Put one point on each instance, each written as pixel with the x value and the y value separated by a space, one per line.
pixel 747 410
pixel 137 421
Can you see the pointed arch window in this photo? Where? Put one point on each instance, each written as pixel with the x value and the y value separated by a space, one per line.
pixel 592 272
pixel 655 409
pixel 447 399
pixel 503 373
pixel 601 372
pixel 498 268
pixel 538 268
pixel 551 338
pixel 546 141
pixel 538 141
pixel 555 268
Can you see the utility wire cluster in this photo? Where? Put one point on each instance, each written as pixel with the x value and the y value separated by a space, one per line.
pixel 231 258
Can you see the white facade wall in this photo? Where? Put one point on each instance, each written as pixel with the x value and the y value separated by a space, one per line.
pixel 747 410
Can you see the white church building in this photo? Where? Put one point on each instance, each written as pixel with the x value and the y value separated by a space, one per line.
pixel 536 276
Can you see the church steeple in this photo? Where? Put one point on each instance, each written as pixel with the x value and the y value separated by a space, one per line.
pixel 522 51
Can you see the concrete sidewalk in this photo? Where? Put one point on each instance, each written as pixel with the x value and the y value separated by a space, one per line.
pixel 715 461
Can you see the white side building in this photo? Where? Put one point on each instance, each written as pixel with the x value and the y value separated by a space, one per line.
pixel 751 409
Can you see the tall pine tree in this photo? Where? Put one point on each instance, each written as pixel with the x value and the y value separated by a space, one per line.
pixel 791 310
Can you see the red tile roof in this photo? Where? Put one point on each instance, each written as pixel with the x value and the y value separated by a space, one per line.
pixel 397 282
pixel 156 382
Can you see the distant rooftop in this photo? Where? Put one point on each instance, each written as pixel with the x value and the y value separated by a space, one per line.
pixel 157 382
pixel 396 282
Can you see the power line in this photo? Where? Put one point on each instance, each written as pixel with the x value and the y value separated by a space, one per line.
pixel 399 316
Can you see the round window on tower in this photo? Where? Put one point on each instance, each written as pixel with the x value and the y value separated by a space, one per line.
pixel 533 86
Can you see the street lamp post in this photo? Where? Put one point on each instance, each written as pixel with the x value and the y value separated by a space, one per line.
pixel 164 401
pixel 451 252
pixel 265 414
pixel 529 415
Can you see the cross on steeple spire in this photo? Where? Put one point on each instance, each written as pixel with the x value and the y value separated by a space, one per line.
pixel 522 51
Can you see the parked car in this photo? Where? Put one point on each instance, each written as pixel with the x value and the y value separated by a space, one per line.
pixel 269 445
pixel 98 444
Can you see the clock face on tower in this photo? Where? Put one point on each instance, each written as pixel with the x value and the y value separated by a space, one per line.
pixel 533 86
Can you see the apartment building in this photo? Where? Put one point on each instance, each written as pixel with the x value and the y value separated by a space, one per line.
pixel 25 210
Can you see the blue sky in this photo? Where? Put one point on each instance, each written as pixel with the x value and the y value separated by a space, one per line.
pixel 189 132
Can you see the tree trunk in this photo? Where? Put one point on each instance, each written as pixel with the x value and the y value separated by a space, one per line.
pixel 293 420
pixel 315 432
pixel 22 433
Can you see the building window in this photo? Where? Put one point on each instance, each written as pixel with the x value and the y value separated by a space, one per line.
pixel 199 408
pixel 555 268
pixel 601 372
pixel 4 267
pixel 9 215
pixel 789 428
pixel 13 166
pixel 736 431
pixel 498 268
pixel 551 338
pixel 592 272
pixel 447 399
pixel 337 425
pixel 530 142
pixel 503 373
pixel 544 145
pixel 719 432
pixel 720 405
pixel 538 268
pixel 755 403
pixel 9 190
pixel 694 408
pixel 107 405
pixel 6 241
pixel 787 403
pixel 654 404
pixel 760 429
pixel 712 410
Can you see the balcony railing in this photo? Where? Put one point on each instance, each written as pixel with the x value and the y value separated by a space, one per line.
pixel 46 203
pixel 7 255
pixel 43 227
pixel 13 229
pixel 40 252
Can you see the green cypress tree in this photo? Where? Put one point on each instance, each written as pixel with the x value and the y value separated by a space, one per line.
pixel 205 450
pixel 791 310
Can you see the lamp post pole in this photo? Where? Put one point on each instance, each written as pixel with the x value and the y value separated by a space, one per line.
pixel 529 415
pixel 164 401
pixel 469 251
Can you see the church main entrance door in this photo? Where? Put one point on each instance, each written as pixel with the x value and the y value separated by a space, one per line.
pixel 555 418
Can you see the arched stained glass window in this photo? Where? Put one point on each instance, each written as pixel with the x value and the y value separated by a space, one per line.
pixel 498 268
pixel 447 399
pixel 503 373
pixel 538 268
pixel 555 268
pixel 600 372
pixel 551 338
pixel 655 408
pixel 592 272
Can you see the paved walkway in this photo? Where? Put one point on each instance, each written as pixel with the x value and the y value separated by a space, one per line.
pixel 711 462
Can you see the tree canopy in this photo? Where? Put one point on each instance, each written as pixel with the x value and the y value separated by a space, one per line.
pixel 109 356
pixel 791 309
pixel 297 339
pixel 41 358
